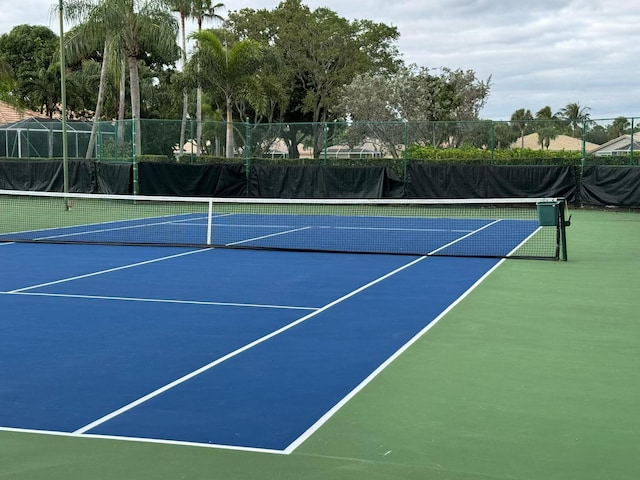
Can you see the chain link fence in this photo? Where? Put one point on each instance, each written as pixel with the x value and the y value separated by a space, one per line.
pixel 392 144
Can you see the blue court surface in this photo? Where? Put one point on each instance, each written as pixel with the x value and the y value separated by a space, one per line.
pixel 242 349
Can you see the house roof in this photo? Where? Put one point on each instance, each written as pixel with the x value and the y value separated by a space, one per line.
pixel 11 114
pixel 619 144
pixel 561 142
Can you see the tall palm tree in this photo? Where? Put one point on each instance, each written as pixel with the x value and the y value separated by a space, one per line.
pixel 576 117
pixel 226 71
pixel 146 25
pixel 619 126
pixel 184 9
pixel 203 10
pixel 134 26
pixel 520 120
pixel 546 126
pixel 97 21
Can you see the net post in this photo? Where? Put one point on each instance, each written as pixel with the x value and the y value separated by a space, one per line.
pixel 562 228
pixel 209 221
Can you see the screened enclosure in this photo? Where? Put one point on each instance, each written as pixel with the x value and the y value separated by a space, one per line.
pixel 36 138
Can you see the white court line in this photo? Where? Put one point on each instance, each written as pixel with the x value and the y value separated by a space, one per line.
pixel 82 431
pixel 333 227
pixel 115 229
pixel 267 236
pixel 236 352
pixel 87 225
pixel 390 229
pixel 260 340
pixel 109 270
pixel 433 252
pixel 94 224
pixel 143 440
pixel 322 420
pixel 102 230
pixel 161 300
pixel 524 241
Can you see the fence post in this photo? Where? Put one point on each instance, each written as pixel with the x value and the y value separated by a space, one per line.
pixel 98 148
pixel 192 144
pixel 134 156
pixel 405 154
pixel 247 155
pixel 493 142
pixel 584 143
pixel 631 161
pixel 324 142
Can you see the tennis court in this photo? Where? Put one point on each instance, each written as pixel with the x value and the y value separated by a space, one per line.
pixel 251 350
pixel 215 346
pixel 243 349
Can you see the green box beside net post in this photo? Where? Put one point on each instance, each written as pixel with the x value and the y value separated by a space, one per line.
pixel 548 213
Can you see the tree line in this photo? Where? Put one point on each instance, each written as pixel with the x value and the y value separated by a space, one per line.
pixel 290 64
pixel 133 59
pixel 573 120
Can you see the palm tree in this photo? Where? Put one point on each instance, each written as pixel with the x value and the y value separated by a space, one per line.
pixel 202 9
pixel 226 71
pixel 133 27
pixel 184 9
pixel 619 127
pixel 97 22
pixel 576 117
pixel 546 126
pixel 146 25
pixel 42 87
pixel 520 119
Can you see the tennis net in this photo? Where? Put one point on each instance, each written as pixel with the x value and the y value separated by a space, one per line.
pixel 519 228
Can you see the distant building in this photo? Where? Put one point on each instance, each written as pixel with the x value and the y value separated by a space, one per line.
pixel 11 114
pixel 367 150
pixel 558 144
pixel 618 146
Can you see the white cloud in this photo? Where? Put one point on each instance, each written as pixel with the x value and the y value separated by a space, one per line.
pixel 548 52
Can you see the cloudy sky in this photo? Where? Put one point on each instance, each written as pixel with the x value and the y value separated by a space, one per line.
pixel 547 52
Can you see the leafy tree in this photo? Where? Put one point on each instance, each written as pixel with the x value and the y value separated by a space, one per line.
pixel 41 88
pixel 599 135
pixel 28 51
pixel 314 54
pixel 469 93
pixel 228 71
pixel 504 135
pixel 7 80
pixel 430 103
pixel 82 84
